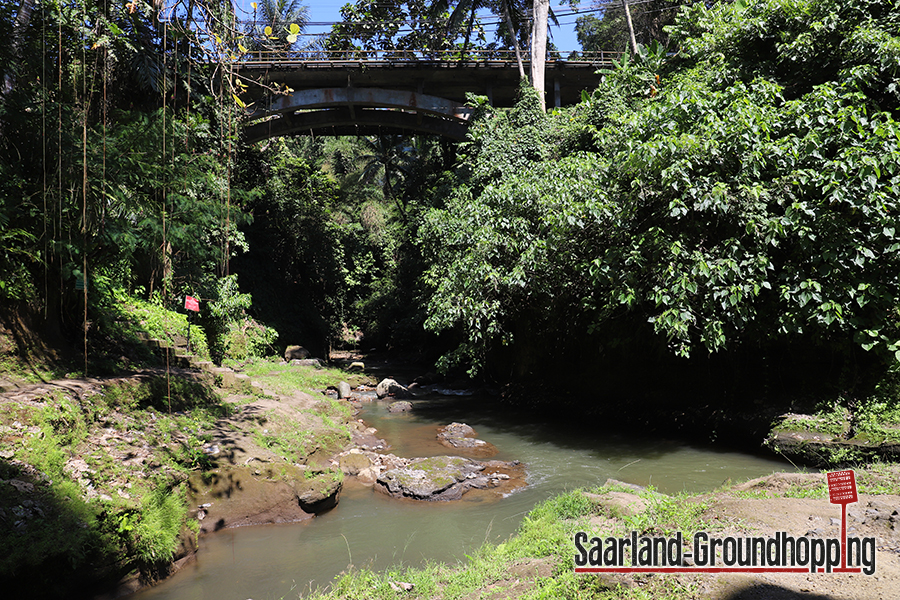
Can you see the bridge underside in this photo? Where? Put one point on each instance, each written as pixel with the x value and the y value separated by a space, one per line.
pixel 360 121
pixel 356 111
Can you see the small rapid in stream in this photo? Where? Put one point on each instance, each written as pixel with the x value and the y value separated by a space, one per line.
pixel 368 529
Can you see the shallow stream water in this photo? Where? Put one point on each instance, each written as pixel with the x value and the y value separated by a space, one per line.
pixel 368 529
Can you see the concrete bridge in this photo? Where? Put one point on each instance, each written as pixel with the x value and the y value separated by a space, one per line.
pixel 337 94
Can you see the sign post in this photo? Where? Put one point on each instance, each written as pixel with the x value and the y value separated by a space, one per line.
pixel 192 305
pixel 842 490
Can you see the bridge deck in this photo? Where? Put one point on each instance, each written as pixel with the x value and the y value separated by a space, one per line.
pixel 336 94
pixel 496 79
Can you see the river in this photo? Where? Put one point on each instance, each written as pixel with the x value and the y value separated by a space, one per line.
pixel 368 529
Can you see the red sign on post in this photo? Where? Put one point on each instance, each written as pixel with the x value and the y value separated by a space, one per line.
pixel 842 490
pixel 191 303
pixel 842 487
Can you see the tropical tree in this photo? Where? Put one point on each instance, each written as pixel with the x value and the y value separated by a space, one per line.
pixel 409 28
pixel 387 158
pixel 277 24
pixel 736 199
pixel 609 31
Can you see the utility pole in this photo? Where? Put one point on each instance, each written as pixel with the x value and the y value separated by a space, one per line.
pixel 539 47
pixel 630 27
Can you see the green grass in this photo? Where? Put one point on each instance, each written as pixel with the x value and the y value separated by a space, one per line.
pixel 26 371
pixel 158 322
pixel 285 378
pixel 295 442
pixel 879 478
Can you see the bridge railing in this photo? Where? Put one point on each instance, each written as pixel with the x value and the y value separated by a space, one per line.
pixel 391 56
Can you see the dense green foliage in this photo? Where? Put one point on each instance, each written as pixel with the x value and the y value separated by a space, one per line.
pixel 608 29
pixel 720 197
pixel 432 29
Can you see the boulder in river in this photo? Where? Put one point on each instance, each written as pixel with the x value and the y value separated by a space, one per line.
pixel 389 387
pixel 343 390
pixel 460 436
pixel 400 406
pixel 443 477
pixel 320 492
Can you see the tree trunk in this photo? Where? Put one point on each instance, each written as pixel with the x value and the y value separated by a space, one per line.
pixel 630 27
pixel 468 32
pixel 515 39
pixel 23 18
pixel 539 47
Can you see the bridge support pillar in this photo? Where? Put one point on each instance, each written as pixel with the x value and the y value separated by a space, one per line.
pixel 557 93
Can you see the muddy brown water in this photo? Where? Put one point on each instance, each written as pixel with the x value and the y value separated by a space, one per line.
pixel 370 530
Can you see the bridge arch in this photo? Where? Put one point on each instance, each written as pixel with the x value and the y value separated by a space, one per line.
pixel 357 111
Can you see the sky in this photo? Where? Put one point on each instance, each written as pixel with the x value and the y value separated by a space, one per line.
pixel 328 11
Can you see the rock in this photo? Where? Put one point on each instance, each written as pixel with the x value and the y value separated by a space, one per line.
pixel 471 446
pixel 427 378
pixel 367 440
pixel 620 504
pixel 23 487
pixel 296 352
pixel 401 406
pixel 401 586
pixel 446 477
pixel 455 430
pixel 308 362
pixel 389 387
pixel 357 366
pixel 434 478
pixel 239 496
pixel 368 476
pixel 354 461
pixel 343 390
pixel 633 486
pixel 460 436
pixel 320 493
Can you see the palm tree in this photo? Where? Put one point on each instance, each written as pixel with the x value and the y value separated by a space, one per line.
pixel 388 156
pixel 277 23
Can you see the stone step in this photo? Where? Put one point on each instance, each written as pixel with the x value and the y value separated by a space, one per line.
pixel 226 377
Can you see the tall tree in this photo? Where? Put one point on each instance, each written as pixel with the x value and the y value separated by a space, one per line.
pixel 20 25
pixel 277 24
pixel 513 12
pixel 539 47
pixel 610 31
pixel 387 157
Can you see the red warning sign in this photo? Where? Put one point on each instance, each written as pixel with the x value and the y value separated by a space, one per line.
pixel 842 487
pixel 191 303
